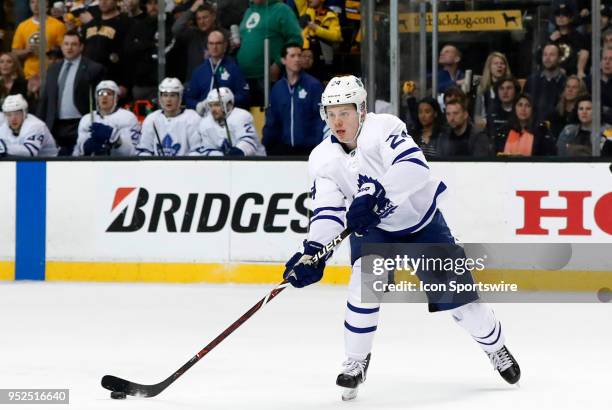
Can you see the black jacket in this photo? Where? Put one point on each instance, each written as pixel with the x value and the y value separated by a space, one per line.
pixel 472 143
pixel 88 75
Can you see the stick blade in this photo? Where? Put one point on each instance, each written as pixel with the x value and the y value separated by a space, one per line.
pixel 113 383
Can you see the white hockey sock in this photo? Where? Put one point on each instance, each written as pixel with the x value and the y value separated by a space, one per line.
pixel 360 319
pixel 480 322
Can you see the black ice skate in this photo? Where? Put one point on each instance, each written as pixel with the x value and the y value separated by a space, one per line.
pixel 353 374
pixel 503 361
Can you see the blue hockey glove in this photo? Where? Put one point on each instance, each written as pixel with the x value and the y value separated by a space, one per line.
pixel 235 152
pixel 101 132
pixel 361 215
pixel 2 148
pixel 300 271
pixel 93 147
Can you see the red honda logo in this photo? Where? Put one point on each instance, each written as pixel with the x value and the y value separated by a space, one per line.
pixel 573 213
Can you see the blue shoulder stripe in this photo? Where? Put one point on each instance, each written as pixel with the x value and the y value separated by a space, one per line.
pixel 406 153
pixel 414 160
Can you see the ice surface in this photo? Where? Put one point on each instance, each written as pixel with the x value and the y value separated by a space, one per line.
pixel 68 335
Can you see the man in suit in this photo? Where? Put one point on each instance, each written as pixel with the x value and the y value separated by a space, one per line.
pixel 68 93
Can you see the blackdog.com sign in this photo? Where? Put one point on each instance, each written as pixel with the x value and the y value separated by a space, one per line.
pixel 140 209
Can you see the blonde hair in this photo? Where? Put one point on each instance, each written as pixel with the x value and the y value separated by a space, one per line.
pixel 17 72
pixel 486 81
pixel 563 102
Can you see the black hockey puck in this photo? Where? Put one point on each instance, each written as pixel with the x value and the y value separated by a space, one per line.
pixel 117 395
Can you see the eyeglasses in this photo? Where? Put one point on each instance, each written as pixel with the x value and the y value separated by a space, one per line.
pixel 105 93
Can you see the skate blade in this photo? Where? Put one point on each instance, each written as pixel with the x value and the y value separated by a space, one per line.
pixel 349 394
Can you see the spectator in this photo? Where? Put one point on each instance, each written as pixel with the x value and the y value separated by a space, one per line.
pixel 293 122
pixel 449 74
pixel 141 53
pixel 23 134
pixel 109 130
pixel 606 38
pixel 26 43
pixel 574 88
pixel 271 19
pixel 58 9
pixel 170 131
pixel 428 127
pixel 133 9
pixel 307 61
pixel 218 70
pixel 506 90
pixel 321 33
pixel 606 84
pixel 574 46
pixel 496 67
pixel 606 18
pixel 230 12
pixel 524 137
pixel 104 41
pixel 576 140
pixel 196 37
pixel 453 93
pixel 462 138
pixel 228 130
pixel 546 85
pixel 68 92
pixel 12 80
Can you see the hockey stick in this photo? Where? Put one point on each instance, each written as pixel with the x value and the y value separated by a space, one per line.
pixel 150 390
pixel 161 147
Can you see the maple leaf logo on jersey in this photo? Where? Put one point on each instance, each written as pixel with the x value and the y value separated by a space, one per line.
pixel 370 186
pixel 168 148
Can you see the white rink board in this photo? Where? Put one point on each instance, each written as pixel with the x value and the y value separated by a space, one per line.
pixel 7 210
pixel 480 205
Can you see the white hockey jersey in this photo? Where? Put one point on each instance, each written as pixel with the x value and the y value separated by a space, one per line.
pixel 385 155
pixel 170 136
pixel 34 139
pixel 126 129
pixel 242 134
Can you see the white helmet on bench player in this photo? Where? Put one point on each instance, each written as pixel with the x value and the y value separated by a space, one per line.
pixel 171 85
pixel 223 95
pixel 108 85
pixel 15 102
pixel 345 90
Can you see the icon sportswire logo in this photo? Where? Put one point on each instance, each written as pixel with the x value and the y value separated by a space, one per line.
pixel 136 209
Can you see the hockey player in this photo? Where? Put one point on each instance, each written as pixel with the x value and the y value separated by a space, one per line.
pixel 373 168
pixel 172 130
pixel 23 134
pixel 108 130
pixel 228 130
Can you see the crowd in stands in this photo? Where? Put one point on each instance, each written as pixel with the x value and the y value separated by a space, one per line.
pixel 103 55
pixel 547 114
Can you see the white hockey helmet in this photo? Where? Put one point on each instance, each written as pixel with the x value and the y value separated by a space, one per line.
pixel 345 90
pixel 108 85
pixel 15 102
pixel 171 85
pixel 223 95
